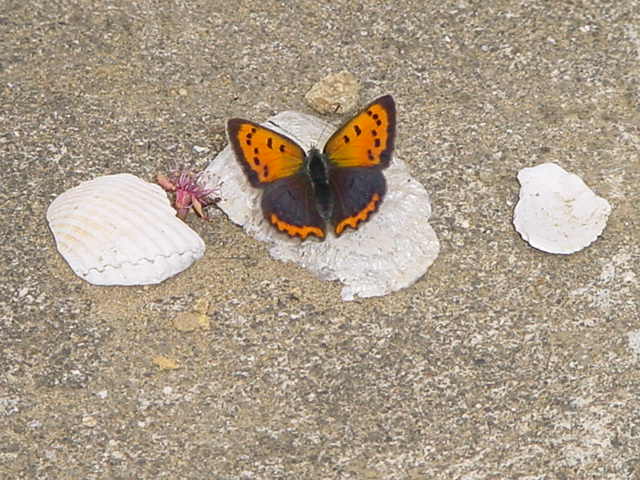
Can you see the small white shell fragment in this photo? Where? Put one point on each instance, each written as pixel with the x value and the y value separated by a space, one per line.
pixel 557 212
pixel 121 230
pixel 387 253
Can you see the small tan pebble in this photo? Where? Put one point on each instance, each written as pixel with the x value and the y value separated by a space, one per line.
pixel 165 363
pixel 89 421
pixel 190 321
pixel 335 93
pixel 182 92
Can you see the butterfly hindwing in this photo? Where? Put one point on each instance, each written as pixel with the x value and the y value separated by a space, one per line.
pixel 289 204
pixel 367 139
pixel 265 155
pixel 357 193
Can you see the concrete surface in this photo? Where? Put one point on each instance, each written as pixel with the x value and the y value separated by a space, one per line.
pixel 502 362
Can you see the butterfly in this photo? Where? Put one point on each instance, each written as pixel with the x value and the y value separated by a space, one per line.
pixel 303 191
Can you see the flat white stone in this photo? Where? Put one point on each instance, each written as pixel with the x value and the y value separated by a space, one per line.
pixel 387 253
pixel 557 212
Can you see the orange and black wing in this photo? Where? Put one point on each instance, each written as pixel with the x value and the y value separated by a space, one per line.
pixel 357 193
pixel 367 139
pixel 263 154
pixel 289 204
pixel 275 163
pixel 356 155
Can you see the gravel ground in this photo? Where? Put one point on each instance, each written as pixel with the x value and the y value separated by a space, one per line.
pixel 501 362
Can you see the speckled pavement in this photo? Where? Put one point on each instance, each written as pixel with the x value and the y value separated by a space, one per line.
pixel 501 363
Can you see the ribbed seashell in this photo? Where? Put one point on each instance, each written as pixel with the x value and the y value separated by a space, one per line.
pixel 121 230
pixel 557 212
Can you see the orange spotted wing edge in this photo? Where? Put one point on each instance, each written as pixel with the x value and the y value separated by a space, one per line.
pixel 289 204
pixel 267 156
pixel 358 193
pixel 367 139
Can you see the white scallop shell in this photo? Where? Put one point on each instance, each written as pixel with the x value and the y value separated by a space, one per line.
pixel 557 212
pixel 121 230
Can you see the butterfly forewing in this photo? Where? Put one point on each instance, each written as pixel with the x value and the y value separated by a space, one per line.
pixel 367 139
pixel 264 154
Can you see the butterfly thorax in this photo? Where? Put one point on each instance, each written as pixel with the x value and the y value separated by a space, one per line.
pixel 318 170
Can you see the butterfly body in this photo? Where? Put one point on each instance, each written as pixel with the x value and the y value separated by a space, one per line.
pixel 317 167
pixel 342 185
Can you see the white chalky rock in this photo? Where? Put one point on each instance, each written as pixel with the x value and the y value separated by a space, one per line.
pixel 389 252
pixel 557 212
pixel 121 230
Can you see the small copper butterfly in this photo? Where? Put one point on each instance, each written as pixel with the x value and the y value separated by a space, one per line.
pixel 343 185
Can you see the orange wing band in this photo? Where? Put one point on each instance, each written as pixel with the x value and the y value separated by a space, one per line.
pixel 361 216
pixel 294 230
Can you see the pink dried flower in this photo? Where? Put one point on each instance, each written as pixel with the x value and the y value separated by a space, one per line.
pixel 188 192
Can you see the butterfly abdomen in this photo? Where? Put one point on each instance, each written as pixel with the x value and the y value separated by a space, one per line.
pixel 318 171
